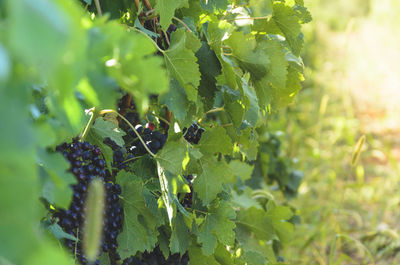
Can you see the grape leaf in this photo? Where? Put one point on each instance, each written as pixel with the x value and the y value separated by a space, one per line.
pixel 241 169
pixel 234 108
pixel 176 100
pixel 104 259
pixel 197 257
pixel 140 227
pixel 218 225
pixel 19 178
pixel 248 143
pixel 106 129
pixel 171 156
pixel 166 9
pixel 56 189
pixel 209 183
pixel 261 8
pixel 215 140
pixel 192 42
pixel 144 167
pixel 210 5
pixel 222 255
pixel 277 70
pixel 167 192
pixel 180 237
pixel 126 57
pixel 279 216
pixel 107 152
pixel 302 13
pixel 209 68
pixel 243 47
pixel 244 200
pixel 57 231
pixel 251 103
pixel 287 21
pixel 254 258
pixel 181 64
pixel 255 222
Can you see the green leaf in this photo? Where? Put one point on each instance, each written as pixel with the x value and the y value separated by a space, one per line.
pixel 144 167
pixel 254 258
pixel 107 152
pixel 223 256
pixel 287 21
pixel 139 231
pixel 218 225
pixel 256 222
pixel 104 259
pixel 54 31
pixel 251 103
pixel 57 231
pixel 197 257
pixel 181 64
pixel 243 47
pixel 278 65
pixel 215 140
pixel 209 183
pixel 241 169
pixel 126 57
pixel 248 143
pixel 143 29
pixel 302 13
pixel 5 64
pixel 210 68
pixel 244 200
pixel 279 216
pixel 261 8
pixel 171 156
pixel 210 5
pixel 56 189
pixel 167 192
pixel 192 42
pixel 48 254
pixel 106 129
pixel 234 107
pixel 180 237
pixel 176 100
pixel 167 8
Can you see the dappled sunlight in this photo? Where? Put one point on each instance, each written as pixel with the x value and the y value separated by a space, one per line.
pixel 373 75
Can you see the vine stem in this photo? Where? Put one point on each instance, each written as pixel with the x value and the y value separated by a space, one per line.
pixel 244 18
pixel 97 2
pixel 130 159
pixel 147 36
pixel 160 118
pixel 89 124
pixel 137 3
pixel 183 23
pixel 132 127
pixel 166 37
pixel 147 4
pixel 215 110
pixel 227 125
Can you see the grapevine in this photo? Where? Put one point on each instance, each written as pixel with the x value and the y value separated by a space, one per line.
pixel 177 97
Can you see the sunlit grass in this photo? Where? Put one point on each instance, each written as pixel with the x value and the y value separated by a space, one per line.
pixel 349 212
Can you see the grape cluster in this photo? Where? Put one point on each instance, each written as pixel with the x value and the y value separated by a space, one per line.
pixel 193 134
pixel 157 258
pixel 154 140
pixel 86 164
pixel 112 218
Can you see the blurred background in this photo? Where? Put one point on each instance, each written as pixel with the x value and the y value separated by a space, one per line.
pixel 350 211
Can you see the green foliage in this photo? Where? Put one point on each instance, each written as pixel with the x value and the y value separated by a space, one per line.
pixel 227 73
